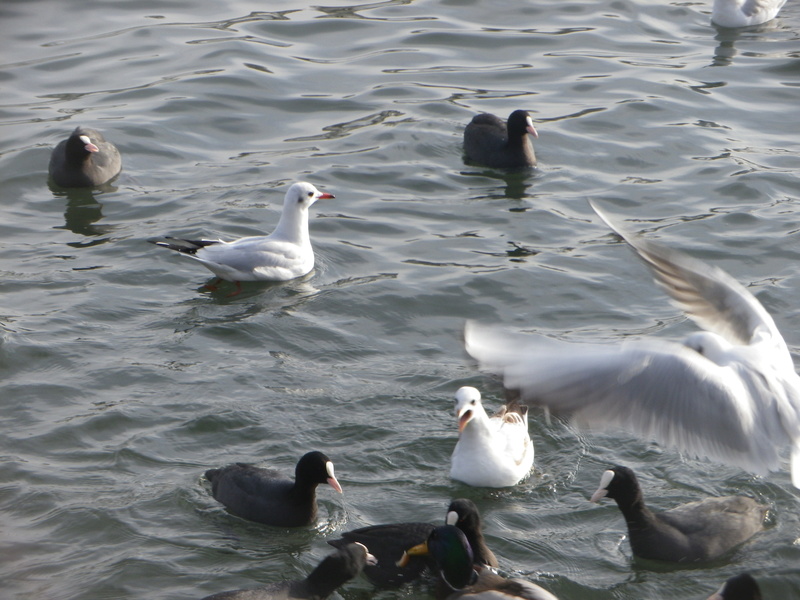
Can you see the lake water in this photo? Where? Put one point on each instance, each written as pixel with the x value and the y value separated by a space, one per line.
pixel 123 379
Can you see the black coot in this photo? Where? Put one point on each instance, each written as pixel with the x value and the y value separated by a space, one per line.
pixel 267 496
pixel 489 141
pixel 693 532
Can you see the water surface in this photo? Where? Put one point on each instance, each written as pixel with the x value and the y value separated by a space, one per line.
pixel 124 379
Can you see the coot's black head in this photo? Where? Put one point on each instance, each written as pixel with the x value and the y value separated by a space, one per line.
pixel 83 142
pixel 463 514
pixel 740 587
pixel 618 483
pixel 315 468
pixel 520 123
pixel 340 567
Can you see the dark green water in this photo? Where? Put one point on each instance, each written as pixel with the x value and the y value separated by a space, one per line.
pixel 123 380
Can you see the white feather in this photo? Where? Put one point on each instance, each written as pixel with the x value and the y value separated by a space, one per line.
pixel 491 451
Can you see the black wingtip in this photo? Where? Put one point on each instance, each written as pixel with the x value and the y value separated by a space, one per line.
pixel 182 245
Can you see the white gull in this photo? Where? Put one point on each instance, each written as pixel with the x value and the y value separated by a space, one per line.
pixel 729 393
pixel 491 451
pixel 284 254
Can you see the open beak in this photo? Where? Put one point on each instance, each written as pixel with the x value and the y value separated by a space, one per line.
pixel 463 419
pixel 418 550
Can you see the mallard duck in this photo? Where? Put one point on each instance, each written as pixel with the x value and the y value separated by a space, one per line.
pixel 491 451
pixel 84 159
pixel 334 570
pixel 388 542
pixel 490 141
pixel 728 393
pixel 267 496
pixel 693 532
pixel 454 560
pixel 284 254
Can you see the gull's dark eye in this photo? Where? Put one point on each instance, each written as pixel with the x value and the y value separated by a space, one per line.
pixel 310 194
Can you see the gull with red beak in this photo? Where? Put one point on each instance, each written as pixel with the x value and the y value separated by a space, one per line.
pixel 491 451
pixel 284 254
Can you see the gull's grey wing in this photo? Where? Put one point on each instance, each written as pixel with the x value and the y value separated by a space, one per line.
pixel 260 255
pixel 711 297
pixel 658 390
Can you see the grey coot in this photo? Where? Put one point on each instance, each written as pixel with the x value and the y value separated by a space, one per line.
pixel 267 496
pixel 739 587
pixel 388 542
pixel 84 159
pixel 694 532
pixel 490 141
pixel 334 570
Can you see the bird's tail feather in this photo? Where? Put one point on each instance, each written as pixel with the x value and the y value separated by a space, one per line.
pixel 181 245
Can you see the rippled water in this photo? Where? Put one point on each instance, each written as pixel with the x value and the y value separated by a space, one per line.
pixel 124 380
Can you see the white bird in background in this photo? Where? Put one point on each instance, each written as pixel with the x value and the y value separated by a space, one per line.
pixel 491 451
pixel 284 254
pixel 729 393
pixel 741 13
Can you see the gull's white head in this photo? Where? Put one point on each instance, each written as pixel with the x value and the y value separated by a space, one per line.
pixel 303 195
pixel 467 406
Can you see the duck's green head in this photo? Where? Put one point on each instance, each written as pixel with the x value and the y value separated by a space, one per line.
pixel 452 554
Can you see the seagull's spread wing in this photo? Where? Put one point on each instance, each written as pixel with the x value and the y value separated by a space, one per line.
pixel 659 390
pixel 731 393
pixel 712 298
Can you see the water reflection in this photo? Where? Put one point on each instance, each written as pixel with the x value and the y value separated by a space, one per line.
pixel 516 181
pixel 82 213
pixel 727 38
